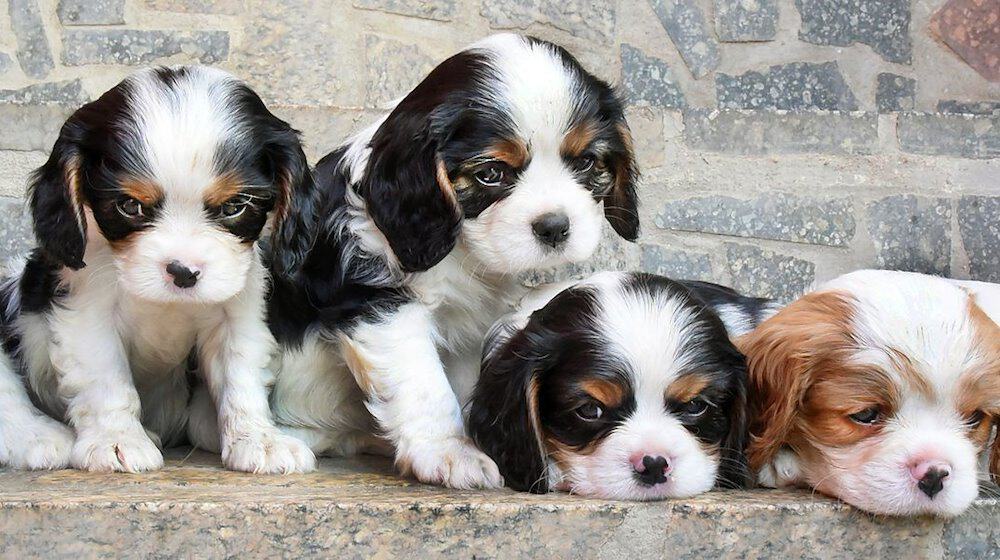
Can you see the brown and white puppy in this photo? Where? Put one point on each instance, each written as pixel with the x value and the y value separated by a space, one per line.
pixel 880 388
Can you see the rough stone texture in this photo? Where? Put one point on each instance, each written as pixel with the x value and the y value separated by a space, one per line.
pixel 582 18
pixel 764 273
pixel 755 132
pixel 979 224
pixel 5 63
pixel 229 7
pixel 884 25
pixel 895 93
pixel 394 69
pixel 972 29
pixel 686 26
pixel 91 12
pixel 68 92
pixel 135 46
pixel 793 87
pixel 912 233
pixel 15 169
pixel 32 47
pixel 37 126
pixel 969 107
pixel 675 263
pixel 950 135
pixel 779 216
pixel 648 80
pixel 746 20
pixel 611 254
pixel 441 10
pixel 15 229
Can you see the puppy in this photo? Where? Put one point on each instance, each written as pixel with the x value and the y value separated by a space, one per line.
pixel 506 158
pixel 880 388
pixel 622 386
pixel 146 214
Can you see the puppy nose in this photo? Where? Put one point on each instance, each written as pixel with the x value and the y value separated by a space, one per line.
pixel 651 470
pixel 930 476
pixel 184 277
pixel 552 228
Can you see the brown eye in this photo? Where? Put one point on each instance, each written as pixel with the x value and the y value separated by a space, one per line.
pixel 590 412
pixel 584 164
pixel 976 418
pixel 131 208
pixel 694 407
pixel 867 416
pixel 492 175
pixel 234 207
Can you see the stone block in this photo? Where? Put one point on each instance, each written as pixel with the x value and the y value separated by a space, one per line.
pixel 394 68
pixel 764 273
pixel 895 93
pixel 33 51
pixel 37 126
pixel 673 263
pixel 441 10
pixel 590 20
pixel 685 24
pixel 972 29
pixel 611 254
pixel 912 233
pixel 979 225
pixel 796 86
pixel 967 136
pixel 227 7
pixel 69 92
pixel 136 46
pixel 16 168
pixel 883 25
pixel 91 12
pixel 648 80
pixel 766 132
pixel 969 107
pixel 746 20
pixel 16 237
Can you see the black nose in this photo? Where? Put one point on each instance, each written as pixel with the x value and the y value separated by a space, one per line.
pixel 933 481
pixel 552 228
pixel 653 471
pixel 184 277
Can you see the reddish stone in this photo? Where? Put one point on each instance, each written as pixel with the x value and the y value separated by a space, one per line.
pixel 972 29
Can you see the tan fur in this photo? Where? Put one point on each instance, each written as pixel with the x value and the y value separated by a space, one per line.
pixel 223 189
pixel 687 387
pixel 577 140
pixel 980 388
pixel 607 392
pixel 513 152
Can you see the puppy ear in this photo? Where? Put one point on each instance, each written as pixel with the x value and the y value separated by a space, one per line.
pixel 734 471
pixel 621 207
pixel 297 205
pixel 56 201
pixel 995 457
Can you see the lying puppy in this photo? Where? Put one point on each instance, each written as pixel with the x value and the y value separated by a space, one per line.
pixel 146 213
pixel 508 157
pixel 880 389
pixel 622 386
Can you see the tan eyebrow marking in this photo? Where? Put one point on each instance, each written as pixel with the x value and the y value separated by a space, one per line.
pixel 144 190
pixel 578 139
pixel 608 392
pixel 687 387
pixel 224 187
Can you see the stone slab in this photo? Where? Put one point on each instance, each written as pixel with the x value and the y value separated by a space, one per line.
pixel 766 132
pixel 441 10
pixel 68 92
pixel 883 25
pixel 33 51
pixel 685 24
pixel 582 18
pixel 746 20
pixel 912 233
pixel 37 126
pixel 139 46
pixel 678 264
pixel 968 136
pixel 969 107
pixel 227 7
pixel 793 87
pixel 91 12
pixel 972 29
pixel 894 93
pixel 15 169
pixel 979 225
pixel 394 68
pixel 16 237
pixel 765 273
pixel 648 80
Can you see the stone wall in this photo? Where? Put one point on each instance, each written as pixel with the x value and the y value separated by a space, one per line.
pixel 781 141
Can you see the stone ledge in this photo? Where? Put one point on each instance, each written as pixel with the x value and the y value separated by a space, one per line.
pixel 358 509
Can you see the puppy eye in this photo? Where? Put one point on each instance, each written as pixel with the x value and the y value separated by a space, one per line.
pixel 976 418
pixel 492 175
pixel 234 207
pixel 867 416
pixel 584 164
pixel 131 208
pixel 590 412
pixel 694 407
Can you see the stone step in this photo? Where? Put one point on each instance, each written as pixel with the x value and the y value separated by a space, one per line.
pixel 359 509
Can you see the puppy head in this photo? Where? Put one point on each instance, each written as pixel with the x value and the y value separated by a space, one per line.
pixel 174 173
pixel 886 385
pixel 620 387
pixel 510 147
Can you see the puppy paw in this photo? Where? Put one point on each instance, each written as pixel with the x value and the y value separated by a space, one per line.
pixel 268 453
pixel 121 451
pixel 44 445
pixel 453 462
pixel 782 472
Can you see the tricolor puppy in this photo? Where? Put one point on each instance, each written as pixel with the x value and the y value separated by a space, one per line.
pixel 880 388
pixel 146 215
pixel 622 386
pixel 506 158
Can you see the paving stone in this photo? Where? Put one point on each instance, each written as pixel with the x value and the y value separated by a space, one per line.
pixel 394 68
pixel 793 87
pixel 37 126
pixel 611 254
pixel 324 128
pixel 895 93
pixel 16 237
pixel 972 29
pixel 979 224
pixel 968 136
pixel 685 24
pixel 67 92
pixel 765 132
pixel 32 47
pixel 883 25
pixel 135 46
pixel 228 7
pixel 16 168
pixel 780 216
pixel 5 63
pixel 764 273
pixel 746 20
pixel 675 263
pixel 441 10
pixel 968 107
pixel 91 12
pixel 581 18
pixel 912 233
pixel 649 80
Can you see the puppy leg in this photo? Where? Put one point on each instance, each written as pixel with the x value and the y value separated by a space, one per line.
pixel 29 439
pixel 396 363
pixel 203 421
pixel 782 472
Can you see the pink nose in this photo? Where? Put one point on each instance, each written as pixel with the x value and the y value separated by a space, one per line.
pixel 650 470
pixel 930 476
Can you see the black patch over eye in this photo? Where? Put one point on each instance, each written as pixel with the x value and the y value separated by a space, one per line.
pixel 131 209
pixel 494 174
pixel 590 412
pixel 584 164
pixel 694 407
pixel 234 207
pixel 867 416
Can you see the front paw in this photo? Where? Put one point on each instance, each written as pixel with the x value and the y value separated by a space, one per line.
pixel 451 461
pixel 43 445
pixel 268 453
pixel 124 451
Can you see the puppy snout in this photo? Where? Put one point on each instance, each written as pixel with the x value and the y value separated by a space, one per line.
pixel 183 276
pixel 552 228
pixel 650 470
pixel 930 476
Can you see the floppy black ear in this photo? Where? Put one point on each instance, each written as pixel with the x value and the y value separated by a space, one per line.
pixel 734 470
pixel 621 207
pixel 57 203
pixel 295 211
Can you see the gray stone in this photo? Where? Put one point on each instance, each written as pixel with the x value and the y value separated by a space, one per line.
pixel 5 62
pixel 686 26
pixel 32 47
pixel 895 93
pixel 912 233
pixel 582 18
pixel 793 87
pixel 16 237
pixel 746 20
pixel 675 263
pixel 37 126
pixel 91 12
pixel 394 69
pixel 136 46
pixel 979 224
pixel 763 273
pixel 68 92
pixel 648 80
pixel 760 132
pixel 969 107
pixel 967 136
pixel 228 7
pixel 441 10
pixel 883 25
pixel 611 254
pixel 16 168
pixel 780 216
pixel 324 128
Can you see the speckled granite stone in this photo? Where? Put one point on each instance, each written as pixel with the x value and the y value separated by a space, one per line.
pixel 972 29
pixel 792 87
pixel 979 224
pixel 91 12
pixel 649 80
pixel 685 23
pixel 969 107
pixel 612 254
pixel 883 25
pixel 746 20
pixel 583 18
pixel 764 273
pixel 675 263
pixel 68 92
pixel 895 93
pixel 16 237
pixel 138 46
pixel 442 10
pixel 33 51
pixel 912 233
pixel 969 136
pixel 761 132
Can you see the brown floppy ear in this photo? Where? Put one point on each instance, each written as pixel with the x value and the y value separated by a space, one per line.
pixel 56 202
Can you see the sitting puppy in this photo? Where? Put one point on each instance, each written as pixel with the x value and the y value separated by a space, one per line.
pixel 506 158
pixel 880 389
pixel 146 213
pixel 622 386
